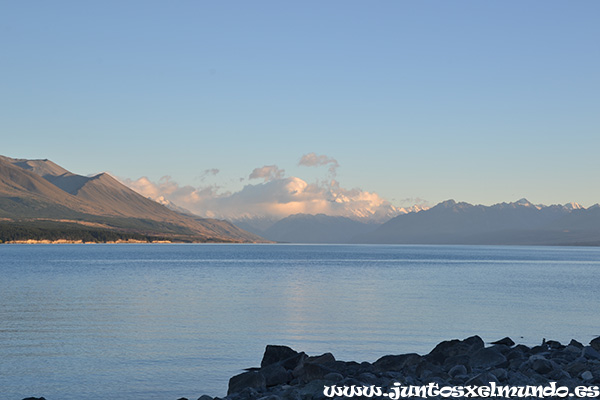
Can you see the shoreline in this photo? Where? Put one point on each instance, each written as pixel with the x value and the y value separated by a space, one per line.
pixel 286 374
pixel 69 241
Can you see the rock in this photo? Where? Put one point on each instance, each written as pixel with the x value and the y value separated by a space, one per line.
pixel 590 352
pixel 333 377
pixel 289 375
pixel 293 361
pixel 502 348
pixel 457 370
pixel 539 349
pixel 270 397
pixel 454 347
pixel 554 345
pixel 368 378
pixel 541 365
pixel 515 354
pixel 205 397
pixel 505 341
pixel 595 343
pixel 275 374
pixel 250 379
pixel 587 376
pixel 182 398
pixel 425 369
pixel 517 378
pixel 523 349
pixel 322 359
pixel 557 374
pixel 435 379
pixel 396 363
pixel 463 359
pixel 311 372
pixel 274 354
pixel 575 343
pixel 482 379
pixel 313 388
pixel 573 349
pixel 34 398
pixel 486 358
pixel 575 368
pixel 474 342
pixel 500 373
pixel 246 394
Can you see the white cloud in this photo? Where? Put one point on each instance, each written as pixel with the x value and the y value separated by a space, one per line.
pixel 277 196
pixel 274 198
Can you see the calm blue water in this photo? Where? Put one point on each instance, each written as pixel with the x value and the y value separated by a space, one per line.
pixel 166 321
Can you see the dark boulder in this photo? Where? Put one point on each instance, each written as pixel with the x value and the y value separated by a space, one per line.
pixel 275 374
pixel 505 341
pixel 396 363
pixel 554 345
pixel 482 379
pixel 524 349
pixel 274 354
pixel 427 369
pixel 312 371
pixel 487 357
pixel 333 377
pixel 575 343
pixel 293 361
pixel 590 353
pixel 463 359
pixel 457 370
pixel 322 359
pixel 541 365
pixel 250 379
pixel 595 343
pixel 515 353
pixel 455 347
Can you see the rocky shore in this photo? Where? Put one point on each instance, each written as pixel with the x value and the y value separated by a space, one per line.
pixel 287 374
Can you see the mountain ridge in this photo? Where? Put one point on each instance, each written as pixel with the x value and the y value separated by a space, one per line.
pixel 519 223
pixel 34 190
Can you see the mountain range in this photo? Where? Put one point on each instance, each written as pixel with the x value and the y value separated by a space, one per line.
pixel 41 199
pixel 517 223
pixel 320 228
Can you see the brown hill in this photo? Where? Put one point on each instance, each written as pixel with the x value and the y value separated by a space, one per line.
pixel 34 190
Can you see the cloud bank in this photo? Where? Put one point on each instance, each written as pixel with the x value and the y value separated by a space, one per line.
pixel 276 197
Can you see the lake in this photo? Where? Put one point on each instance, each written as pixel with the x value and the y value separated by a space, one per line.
pixel 168 321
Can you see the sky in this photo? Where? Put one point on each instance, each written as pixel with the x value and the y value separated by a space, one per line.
pixel 395 102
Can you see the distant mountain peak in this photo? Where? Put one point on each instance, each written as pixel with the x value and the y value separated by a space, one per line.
pixel 526 203
pixel 573 206
pixel 523 202
pixel 448 203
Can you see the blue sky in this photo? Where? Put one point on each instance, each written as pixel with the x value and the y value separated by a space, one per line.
pixel 480 101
